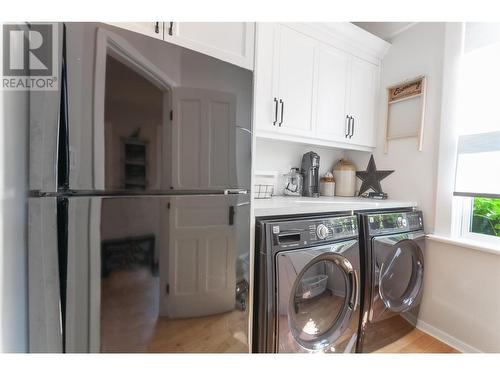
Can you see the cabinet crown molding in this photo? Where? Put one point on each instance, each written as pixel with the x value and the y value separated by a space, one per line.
pixel 347 37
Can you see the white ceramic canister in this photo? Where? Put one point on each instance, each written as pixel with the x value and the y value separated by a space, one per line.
pixel 327 185
pixel 344 174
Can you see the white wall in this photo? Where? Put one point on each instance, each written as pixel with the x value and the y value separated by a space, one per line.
pixel 13 261
pixel 417 51
pixel 280 156
pixel 461 301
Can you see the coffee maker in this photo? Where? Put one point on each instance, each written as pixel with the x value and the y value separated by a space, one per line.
pixel 310 171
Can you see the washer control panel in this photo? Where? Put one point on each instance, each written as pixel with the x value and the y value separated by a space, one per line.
pixel 395 222
pixel 308 232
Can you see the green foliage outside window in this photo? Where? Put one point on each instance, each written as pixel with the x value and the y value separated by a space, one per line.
pixel 486 216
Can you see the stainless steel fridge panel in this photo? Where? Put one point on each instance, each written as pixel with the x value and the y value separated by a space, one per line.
pixel 156 274
pixel 81 237
pixel 143 115
pixel 45 324
pixel 44 110
pixel 182 131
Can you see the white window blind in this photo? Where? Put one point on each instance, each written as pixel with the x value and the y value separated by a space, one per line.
pixel 478 152
pixel 478 165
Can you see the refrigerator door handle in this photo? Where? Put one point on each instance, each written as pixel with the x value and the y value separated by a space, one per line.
pixel 63 156
pixel 235 191
pixel 243 204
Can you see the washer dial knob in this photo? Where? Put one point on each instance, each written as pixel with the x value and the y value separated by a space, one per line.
pixel 322 231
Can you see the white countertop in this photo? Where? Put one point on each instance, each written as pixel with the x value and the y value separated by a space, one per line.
pixel 281 205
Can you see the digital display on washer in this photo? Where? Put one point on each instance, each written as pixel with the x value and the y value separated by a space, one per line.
pixel 295 234
pixel 380 223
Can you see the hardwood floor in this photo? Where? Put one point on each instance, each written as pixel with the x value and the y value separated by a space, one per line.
pixel 417 341
pixel 130 321
pixel 221 333
pixel 397 335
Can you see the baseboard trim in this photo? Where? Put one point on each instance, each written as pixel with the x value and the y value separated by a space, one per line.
pixel 446 338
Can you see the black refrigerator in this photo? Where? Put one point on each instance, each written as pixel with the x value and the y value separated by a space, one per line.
pixel 139 208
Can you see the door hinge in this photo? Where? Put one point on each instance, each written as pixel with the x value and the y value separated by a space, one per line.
pixel 171 115
pixel 168 288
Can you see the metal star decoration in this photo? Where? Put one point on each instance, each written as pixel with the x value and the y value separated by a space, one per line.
pixel 371 177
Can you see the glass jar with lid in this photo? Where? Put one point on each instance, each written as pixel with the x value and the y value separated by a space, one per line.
pixel 293 182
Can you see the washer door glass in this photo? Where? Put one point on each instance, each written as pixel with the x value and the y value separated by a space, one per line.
pixel 323 297
pixel 401 276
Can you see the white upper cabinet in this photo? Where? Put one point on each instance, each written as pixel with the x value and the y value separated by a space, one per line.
pixel 346 98
pixel 152 29
pixel 265 105
pixel 315 86
pixel 363 92
pixel 332 90
pixel 229 41
pixel 294 82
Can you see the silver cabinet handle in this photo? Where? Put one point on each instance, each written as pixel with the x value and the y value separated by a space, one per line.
pixel 275 111
pixel 347 126
pixel 171 29
pixel 352 128
pixel 157 27
pixel 282 109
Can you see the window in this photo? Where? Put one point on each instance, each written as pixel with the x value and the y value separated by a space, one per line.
pixel 478 219
pixel 477 175
pixel 485 216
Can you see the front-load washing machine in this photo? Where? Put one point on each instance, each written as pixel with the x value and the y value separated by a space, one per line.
pixel 393 269
pixel 306 295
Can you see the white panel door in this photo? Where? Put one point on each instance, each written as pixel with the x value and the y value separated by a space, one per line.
pixel 229 41
pixel 152 29
pixel 295 84
pixel 203 139
pixel 221 158
pixel 201 258
pixel 331 96
pixel 363 93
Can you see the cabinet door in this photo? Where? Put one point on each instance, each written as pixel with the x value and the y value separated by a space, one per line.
pixel 331 96
pixel 153 29
pixel 295 83
pixel 265 105
pixel 229 41
pixel 362 99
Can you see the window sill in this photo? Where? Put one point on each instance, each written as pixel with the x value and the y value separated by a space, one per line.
pixel 466 243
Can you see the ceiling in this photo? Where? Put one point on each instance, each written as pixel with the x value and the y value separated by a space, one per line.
pixel 385 30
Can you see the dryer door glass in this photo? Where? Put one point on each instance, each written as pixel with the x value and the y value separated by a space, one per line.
pixel 320 302
pixel 400 275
